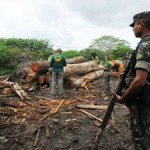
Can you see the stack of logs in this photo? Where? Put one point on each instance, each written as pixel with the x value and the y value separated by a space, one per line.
pixel 77 73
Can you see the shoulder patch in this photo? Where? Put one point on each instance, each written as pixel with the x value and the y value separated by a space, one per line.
pixel 139 56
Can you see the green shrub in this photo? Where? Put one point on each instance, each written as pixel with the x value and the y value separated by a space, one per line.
pixel 25 44
pixel 71 53
pixel 9 59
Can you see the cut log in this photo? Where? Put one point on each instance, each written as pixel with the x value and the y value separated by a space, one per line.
pixel 80 69
pixel 75 60
pixel 37 68
pixel 77 82
pixel 40 67
pixel 31 75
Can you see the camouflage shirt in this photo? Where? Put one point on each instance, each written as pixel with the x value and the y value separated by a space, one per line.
pixel 143 55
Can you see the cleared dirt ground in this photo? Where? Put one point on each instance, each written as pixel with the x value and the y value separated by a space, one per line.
pixel 46 123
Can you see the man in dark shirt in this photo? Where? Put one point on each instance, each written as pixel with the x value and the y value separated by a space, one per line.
pixel 57 64
pixel 93 56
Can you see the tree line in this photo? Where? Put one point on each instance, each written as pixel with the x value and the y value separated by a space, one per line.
pixel 14 51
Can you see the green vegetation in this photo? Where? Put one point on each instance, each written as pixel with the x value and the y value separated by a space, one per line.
pixel 15 51
pixel 71 53
pixel 25 44
pixel 108 44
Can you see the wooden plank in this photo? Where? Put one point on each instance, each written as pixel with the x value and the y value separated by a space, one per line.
pixel 89 114
pixel 103 107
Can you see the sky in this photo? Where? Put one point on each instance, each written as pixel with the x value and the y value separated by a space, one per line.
pixel 70 24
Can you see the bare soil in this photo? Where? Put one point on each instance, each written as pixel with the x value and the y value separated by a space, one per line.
pixel 47 123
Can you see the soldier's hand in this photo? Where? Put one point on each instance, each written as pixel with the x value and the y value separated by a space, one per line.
pixel 118 97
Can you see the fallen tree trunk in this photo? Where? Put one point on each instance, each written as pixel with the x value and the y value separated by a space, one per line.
pixel 31 75
pixel 77 82
pixel 69 70
pixel 37 69
pixel 80 69
pixel 75 60
pixel 40 67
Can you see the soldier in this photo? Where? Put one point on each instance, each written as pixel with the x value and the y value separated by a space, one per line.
pixel 137 96
pixel 57 63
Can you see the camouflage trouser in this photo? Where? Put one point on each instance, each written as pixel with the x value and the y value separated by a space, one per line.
pixel 50 76
pixel 57 81
pixel 140 126
pixel 106 82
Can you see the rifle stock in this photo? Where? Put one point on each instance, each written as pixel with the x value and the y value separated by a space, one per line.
pixel 118 90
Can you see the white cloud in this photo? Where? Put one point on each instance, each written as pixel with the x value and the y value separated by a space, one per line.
pixel 69 24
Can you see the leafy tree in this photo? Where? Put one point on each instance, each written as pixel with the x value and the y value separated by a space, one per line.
pixel 119 52
pixel 107 43
pixel 26 44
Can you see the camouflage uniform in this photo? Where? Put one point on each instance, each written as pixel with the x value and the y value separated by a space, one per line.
pixel 140 106
pixel 57 63
pixel 107 75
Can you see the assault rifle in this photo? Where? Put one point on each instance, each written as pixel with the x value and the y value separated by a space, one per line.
pixel 120 85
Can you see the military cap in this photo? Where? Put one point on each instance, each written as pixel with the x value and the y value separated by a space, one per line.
pixel 140 16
